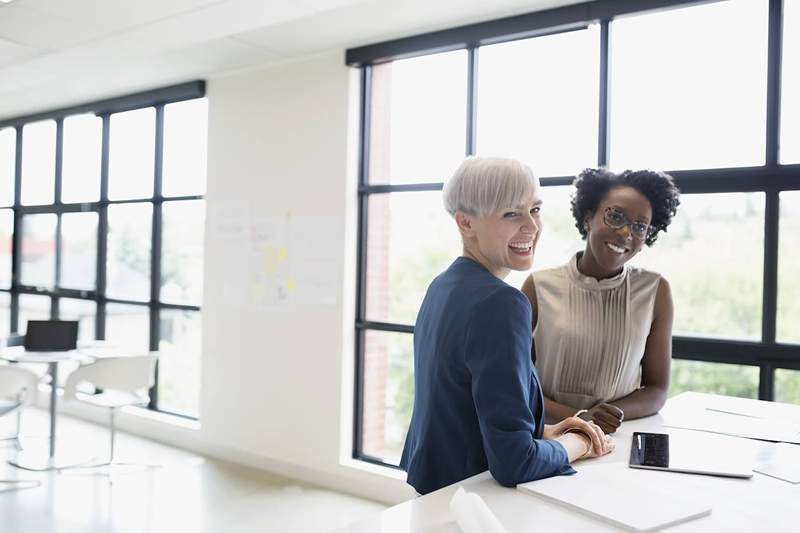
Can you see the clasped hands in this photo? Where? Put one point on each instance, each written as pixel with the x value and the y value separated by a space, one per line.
pixel 599 443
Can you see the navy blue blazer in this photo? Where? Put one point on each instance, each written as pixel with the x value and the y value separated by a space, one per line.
pixel 478 404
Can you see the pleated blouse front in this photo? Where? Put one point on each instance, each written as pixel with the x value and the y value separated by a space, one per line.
pixel 591 334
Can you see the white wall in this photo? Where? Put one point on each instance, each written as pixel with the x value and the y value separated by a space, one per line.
pixel 277 383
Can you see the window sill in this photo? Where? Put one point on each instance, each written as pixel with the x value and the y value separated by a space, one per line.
pixel 371 468
pixel 162 418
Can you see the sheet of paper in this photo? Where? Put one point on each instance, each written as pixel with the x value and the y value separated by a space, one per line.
pixel 648 504
pixel 781 461
pixel 738 425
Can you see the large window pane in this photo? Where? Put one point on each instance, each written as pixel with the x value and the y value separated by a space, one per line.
pixel 128 328
pixel 411 240
pixel 84 311
pixel 688 91
pixel 713 257
pixel 714 378
pixel 131 154
pixel 5 313
pixel 179 361
pixel 79 250
pixel 185 139
pixel 6 239
pixel 418 128
pixel 129 245
pixel 32 307
pixel 39 250
pixel 388 393
pixel 788 326
pixel 182 252
pixel 38 162
pixel 8 151
pixel 787 386
pixel 537 101
pixel 83 138
pixel 790 95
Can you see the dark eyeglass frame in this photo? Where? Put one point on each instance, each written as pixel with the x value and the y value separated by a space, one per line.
pixel 644 230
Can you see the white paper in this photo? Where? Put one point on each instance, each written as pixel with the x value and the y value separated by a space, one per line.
pixel 782 461
pixel 472 514
pixel 632 499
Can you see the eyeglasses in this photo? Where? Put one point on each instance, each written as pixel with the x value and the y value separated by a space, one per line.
pixel 614 218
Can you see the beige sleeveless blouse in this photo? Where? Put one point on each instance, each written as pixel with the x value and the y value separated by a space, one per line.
pixel 590 335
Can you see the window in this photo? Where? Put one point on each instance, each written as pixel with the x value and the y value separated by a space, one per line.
pixel 109 245
pixel 620 90
pixel 691 102
pixel 543 114
pixel 790 95
pixel 788 268
pixel 418 128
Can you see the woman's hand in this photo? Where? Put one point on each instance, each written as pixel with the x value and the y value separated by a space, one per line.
pixel 589 429
pixel 609 417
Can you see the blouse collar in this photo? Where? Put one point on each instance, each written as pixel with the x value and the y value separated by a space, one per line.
pixel 590 283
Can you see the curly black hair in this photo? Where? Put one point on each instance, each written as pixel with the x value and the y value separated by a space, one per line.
pixel 593 184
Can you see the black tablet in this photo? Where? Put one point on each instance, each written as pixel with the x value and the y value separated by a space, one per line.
pixel 678 453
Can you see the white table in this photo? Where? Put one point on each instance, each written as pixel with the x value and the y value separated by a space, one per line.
pixel 51 359
pixel 758 504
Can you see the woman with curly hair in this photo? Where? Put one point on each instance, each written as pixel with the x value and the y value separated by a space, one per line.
pixel 602 329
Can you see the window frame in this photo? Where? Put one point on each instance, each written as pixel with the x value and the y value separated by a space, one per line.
pixel 157 99
pixel 771 178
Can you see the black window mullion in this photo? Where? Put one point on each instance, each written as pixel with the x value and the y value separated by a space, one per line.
pixel 155 256
pixel 472 100
pixel 603 119
pixel 766 382
pixel 16 241
pixel 361 259
pixel 102 232
pixel 770 290
pixel 774 53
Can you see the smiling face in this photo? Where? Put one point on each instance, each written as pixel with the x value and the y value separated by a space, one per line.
pixel 607 248
pixel 503 241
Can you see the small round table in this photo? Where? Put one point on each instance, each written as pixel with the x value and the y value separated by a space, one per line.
pixel 51 359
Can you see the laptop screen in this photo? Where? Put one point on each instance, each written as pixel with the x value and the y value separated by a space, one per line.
pixel 51 335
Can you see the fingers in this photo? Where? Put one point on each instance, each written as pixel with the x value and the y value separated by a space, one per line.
pixel 612 410
pixel 608 423
pixel 597 436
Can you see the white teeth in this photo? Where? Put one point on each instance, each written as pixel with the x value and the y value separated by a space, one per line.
pixel 616 249
pixel 521 245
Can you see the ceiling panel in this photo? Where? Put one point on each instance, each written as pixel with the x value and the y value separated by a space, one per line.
pixel 29 27
pixel 115 15
pixel 13 52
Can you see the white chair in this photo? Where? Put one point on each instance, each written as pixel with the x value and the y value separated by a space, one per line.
pixel 18 387
pixel 123 381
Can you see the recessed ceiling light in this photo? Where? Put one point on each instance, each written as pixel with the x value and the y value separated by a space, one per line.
pixel 6 1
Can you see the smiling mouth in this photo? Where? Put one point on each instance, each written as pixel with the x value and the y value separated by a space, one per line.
pixel 616 248
pixel 521 248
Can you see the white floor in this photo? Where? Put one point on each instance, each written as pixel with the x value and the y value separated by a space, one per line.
pixel 186 493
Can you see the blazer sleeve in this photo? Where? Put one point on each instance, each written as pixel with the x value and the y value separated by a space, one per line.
pixel 498 357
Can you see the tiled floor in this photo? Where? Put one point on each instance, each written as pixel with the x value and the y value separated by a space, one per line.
pixel 186 493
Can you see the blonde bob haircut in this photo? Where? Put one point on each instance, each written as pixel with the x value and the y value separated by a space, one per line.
pixel 484 186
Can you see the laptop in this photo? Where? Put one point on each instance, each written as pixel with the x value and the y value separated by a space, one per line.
pixel 51 335
pixel 678 453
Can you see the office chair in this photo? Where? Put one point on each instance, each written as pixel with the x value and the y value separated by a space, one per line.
pixel 123 380
pixel 18 387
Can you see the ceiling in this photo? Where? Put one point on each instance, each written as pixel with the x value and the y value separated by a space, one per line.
pixel 56 53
